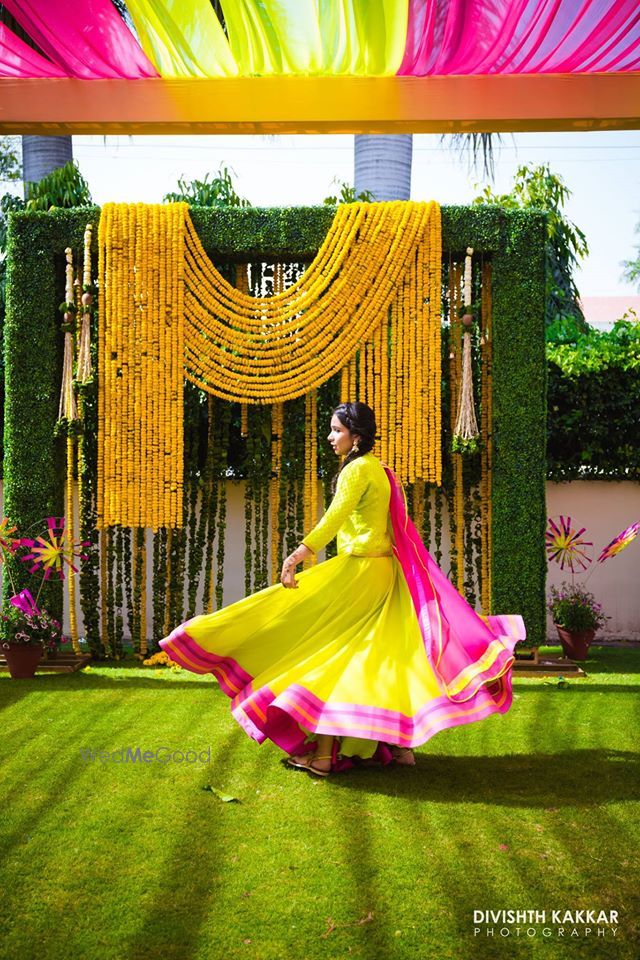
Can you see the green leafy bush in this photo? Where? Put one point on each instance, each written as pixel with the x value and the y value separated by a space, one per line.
pixel 593 427
pixel 217 192
pixel 63 187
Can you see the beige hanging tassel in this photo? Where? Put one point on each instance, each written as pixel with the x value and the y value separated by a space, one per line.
pixel 466 429
pixel 83 371
pixel 67 406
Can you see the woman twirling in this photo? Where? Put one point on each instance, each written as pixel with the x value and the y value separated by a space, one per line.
pixel 363 656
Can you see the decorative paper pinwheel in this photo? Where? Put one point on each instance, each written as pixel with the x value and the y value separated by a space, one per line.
pixel 52 554
pixel 565 546
pixel 25 602
pixel 620 542
pixel 7 542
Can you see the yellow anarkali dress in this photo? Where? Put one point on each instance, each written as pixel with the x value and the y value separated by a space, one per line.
pixel 346 652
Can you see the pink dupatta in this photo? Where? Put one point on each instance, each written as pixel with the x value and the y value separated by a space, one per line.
pixel 465 649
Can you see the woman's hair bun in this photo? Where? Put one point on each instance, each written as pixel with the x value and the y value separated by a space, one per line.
pixel 359 419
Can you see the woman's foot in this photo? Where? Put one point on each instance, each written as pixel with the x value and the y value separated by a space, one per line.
pixel 403 756
pixel 320 765
pixel 317 761
pixel 302 757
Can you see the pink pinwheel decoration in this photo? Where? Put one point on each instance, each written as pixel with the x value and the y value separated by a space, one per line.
pixel 25 602
pixel 565 546
pixel 620 542
pixel 52 554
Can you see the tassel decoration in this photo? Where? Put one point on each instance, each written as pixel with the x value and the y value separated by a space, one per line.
pixel 465 434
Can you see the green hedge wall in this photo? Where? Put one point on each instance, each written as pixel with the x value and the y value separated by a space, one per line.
pixel 34 458
pixel 594 406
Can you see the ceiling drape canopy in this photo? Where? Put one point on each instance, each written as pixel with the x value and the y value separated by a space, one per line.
pixel 184 38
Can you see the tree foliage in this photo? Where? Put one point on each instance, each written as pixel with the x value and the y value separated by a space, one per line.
pixel 476 147
pixel 539 188
pixel 593 403
pixel 10 161
pixel 217 192
pixel 632 267
pixel 347 194
pixel 63 187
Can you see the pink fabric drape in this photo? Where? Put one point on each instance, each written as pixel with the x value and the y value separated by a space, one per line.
pixel 521 36
pixel 18 59
pixel 465 650
pixel 87 39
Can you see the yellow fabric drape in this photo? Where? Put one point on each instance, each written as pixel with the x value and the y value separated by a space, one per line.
pixel 184 38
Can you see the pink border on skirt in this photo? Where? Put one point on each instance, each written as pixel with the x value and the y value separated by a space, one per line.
pixel 263 714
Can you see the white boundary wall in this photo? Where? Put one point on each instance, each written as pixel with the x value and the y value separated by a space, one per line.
pixel 604 508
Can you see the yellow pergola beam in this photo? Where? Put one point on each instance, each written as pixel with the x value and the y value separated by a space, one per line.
pixel 454 104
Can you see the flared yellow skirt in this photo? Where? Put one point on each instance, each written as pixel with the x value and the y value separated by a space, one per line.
pixel 341 654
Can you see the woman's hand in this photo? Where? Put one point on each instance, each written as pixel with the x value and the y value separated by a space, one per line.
pixel 287 577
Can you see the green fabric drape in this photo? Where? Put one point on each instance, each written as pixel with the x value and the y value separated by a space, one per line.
pixel 273 37
pixel 182 38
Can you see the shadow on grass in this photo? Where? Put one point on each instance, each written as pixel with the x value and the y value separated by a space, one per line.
pixel 577 778
pixel 52 782
pixel 190 881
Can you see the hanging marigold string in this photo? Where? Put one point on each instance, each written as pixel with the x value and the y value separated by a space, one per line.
pixel 67 414
pixel 265 349
pixel 311 468
pixel 168 313
pixel 141 347
pixel 242 284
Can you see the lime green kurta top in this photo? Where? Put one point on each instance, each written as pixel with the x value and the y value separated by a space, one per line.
pixel 359 512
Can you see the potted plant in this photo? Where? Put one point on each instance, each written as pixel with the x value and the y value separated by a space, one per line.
pixel 576 616
pixel 27 631
pixel 27 635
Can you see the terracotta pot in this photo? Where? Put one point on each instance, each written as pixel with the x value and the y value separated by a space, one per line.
pixel 22 659
pixel 575 644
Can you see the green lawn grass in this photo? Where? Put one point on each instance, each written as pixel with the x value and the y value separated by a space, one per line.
pixel 536 809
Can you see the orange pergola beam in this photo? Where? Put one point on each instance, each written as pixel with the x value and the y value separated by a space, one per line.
pixel 297 104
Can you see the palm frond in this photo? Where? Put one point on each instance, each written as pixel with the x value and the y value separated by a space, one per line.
pixel 475 147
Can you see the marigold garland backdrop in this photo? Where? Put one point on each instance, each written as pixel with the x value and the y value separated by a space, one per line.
pixel 235 285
